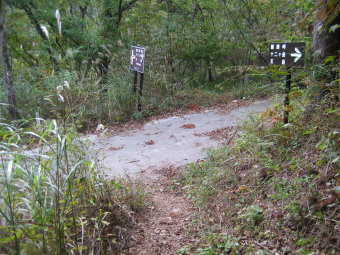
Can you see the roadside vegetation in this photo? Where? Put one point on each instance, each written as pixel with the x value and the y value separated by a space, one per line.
pixel 191 47
pixel 54 198
pixel 275 190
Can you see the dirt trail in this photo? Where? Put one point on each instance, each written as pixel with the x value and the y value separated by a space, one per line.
pixel 166 226
pixel 166 144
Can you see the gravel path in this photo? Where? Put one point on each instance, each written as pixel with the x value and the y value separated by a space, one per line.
pixel 175 141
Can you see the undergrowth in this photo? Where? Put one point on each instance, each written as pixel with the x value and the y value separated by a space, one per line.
pixel 276 190
pixel 86 102
pixel 53 198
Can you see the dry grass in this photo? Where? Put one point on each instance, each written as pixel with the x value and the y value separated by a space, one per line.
pixel 276 190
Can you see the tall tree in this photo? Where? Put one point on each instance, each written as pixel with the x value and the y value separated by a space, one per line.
pixel 13 113
pixel 325 42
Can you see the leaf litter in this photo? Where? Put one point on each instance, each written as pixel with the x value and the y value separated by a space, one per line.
pixel 166 226
pixel 188 126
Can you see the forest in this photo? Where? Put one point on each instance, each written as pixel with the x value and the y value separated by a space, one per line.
pixel 274 188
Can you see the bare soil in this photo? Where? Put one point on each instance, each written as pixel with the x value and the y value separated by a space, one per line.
pixel 166 226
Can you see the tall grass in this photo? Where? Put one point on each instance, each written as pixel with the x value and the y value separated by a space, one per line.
pixel 92 98
pixel 52 198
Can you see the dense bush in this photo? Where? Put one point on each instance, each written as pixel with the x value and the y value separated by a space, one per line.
pixel 53 198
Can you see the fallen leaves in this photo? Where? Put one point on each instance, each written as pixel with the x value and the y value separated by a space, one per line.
pixel 219 134
pixel 151 142
pixel 242 189
pixel 115 148
pixel 166 226
pixel 188 126
pixel 198 144
pixel 167 221
pixel 194 107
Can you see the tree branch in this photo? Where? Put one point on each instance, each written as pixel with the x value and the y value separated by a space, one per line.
pixel 37 26
pixel 263 60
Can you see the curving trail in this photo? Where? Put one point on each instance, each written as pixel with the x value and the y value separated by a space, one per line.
pixel 175 141
pixel 153 154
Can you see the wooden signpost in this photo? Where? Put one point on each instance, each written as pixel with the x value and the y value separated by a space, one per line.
pixel 289 55
pixel 137 60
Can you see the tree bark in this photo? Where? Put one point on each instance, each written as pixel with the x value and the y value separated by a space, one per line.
pixel 13 113
pixel 325 43
pixel 210 76
pixel 120 13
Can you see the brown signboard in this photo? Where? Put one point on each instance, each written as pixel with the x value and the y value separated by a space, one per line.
pixel 137 57
pixel 287 54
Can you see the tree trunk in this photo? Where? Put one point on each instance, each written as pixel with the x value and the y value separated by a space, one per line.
pixel 210 76
pixel 13 113
pixel 326 43
pixel 120 12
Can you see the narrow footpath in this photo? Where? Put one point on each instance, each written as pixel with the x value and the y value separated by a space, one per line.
pixel 167 225
pixel 153 153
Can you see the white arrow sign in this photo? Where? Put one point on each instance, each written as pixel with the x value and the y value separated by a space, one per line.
pixel 297 55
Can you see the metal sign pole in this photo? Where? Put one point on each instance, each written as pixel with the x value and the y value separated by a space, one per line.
pixel 287 91
pixel 140 92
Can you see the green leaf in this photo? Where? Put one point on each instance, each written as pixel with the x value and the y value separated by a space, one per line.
pixel 333 28
pixel 329 60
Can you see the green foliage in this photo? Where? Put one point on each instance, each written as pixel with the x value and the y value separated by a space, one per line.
pixel 220 245
pixel 251 214
pixel 190 44
pixel 53 200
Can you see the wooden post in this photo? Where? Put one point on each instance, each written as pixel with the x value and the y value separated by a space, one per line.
pixel 140 92
pixel 286 102
pixel 135 78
